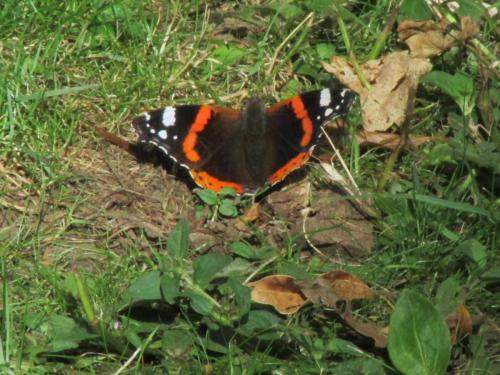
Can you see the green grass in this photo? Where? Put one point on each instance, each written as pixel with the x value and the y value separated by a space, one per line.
pixel 83 225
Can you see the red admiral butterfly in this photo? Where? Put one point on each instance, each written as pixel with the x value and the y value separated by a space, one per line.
pixel 223 147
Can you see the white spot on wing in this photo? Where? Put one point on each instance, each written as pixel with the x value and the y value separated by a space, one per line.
pixel 162 134
pixel 325 98
pixel 147 116
pixel 328 111
pixel 337 107
pixel 168 117
pixel 318 117
pixel 152 130
pixel 342 93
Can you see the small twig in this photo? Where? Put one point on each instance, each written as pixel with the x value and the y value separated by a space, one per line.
pixel 113 139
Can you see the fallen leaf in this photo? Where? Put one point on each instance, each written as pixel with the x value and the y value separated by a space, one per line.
pixel 344 71
pixel 278 291
pixel 252 214
pixel 334 286
pixel 460 323
pixel 392 78
pixel 318 294
pixel 428 38
pixel 346 286
pixel 389 140
pixel 375 332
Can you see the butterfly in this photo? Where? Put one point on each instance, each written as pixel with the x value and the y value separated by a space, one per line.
pixel 224 147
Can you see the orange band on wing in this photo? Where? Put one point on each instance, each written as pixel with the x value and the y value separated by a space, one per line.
pixel 207 181
pixel 189 144
pixel 293 164
pixel 300 112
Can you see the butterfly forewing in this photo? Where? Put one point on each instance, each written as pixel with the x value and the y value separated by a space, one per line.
pixel 295 124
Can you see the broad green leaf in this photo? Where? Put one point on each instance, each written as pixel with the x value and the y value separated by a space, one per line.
pixel 177 342
pixel 448 296
pixel 475 251
pixel 200 303
pixel 261 323
pixel 228 208
pixel 178 240
pixel 208 196
pixel 243 250
pixel 459 86
pixel 484 155
pixel 64 333
pixel 241 296
pixel 205 268
pixel 146 287
pixel 491 276
pixel 417 10
pixel 227 192
pixel 472 8
pixel 419 340
pixel 325 50
pixel 228 54
pixel 169 285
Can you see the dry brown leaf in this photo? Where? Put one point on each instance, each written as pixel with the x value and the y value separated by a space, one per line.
pixel 390 140
pixel 334 286
pixel 346 286
pixel 392 78
pixel 344 71
pixel 375 332
pixel 460 323
pixel 427 38
pixel 318 294
pixel 278 291
pixel 468 29
pixel 252 214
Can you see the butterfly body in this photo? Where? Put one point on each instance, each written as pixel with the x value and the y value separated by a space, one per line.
pixel 246 149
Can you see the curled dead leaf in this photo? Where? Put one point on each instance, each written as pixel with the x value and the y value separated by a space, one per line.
pixel 375 332
pixel 389 140
pixel 252 214
pixel 460 323
pixel 346 286
pixel 428 38
pixel 278 291
pixel 392 78
pixel 334 286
